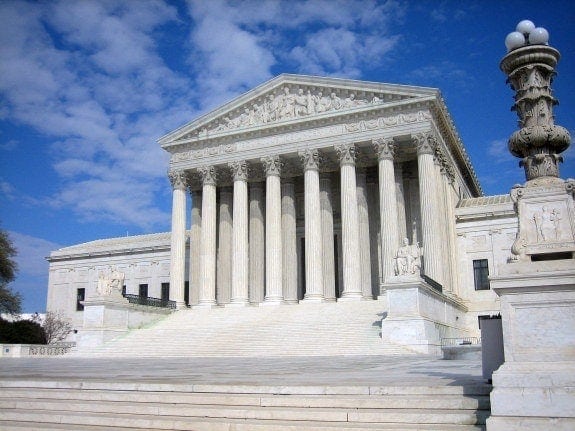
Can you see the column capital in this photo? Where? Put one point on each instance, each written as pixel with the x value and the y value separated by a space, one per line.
pixel 346 154
pixel 310 159
pixel 208 175
pixel 178 179
pixel 384 148
pixel 240 170
pixel 272 165
pixel 426 143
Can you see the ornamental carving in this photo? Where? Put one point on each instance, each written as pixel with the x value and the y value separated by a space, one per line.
pixel 240 170
pixel 110 283
pixel 310 159
pixel 384 148
pixel 272 165
pixel 539 140
pixel 290 103
pixel 208 175
pixel 177 179
pixel 407 261
pixel 547 224
pixel 346 154
pixel 426 143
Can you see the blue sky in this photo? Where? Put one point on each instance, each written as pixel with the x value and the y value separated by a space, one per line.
pixel 87 87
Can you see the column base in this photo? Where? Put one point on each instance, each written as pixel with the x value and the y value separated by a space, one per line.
pixel 313 298
pixel 238 303
pixel 271 302
pixel 181 305
pixel 205 305
pixel 350 297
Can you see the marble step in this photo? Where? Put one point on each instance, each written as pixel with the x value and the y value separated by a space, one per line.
pixel 177 417
pixel 295 330
pixel 451 402
pixel 242 425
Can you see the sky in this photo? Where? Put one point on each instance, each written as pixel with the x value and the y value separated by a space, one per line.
pixel 88 86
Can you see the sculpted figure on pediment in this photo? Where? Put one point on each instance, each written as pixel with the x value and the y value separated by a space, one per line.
pixel 289 104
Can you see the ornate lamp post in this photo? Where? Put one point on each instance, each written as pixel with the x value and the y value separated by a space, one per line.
pixel 532 389
pixel 530 65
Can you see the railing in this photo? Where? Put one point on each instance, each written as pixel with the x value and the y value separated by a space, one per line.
pixel 151 302
pixel 434 284
pixel 463 341
pixel 55 349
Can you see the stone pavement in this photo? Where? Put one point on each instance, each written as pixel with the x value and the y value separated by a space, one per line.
pixel 284 371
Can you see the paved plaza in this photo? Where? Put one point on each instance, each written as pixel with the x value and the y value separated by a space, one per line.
pixel 266 371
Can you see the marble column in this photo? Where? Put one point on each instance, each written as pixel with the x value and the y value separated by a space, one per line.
pixel 274 293
pixel 289 241
pixel 178 237
pixel 374 227
pixel 240 246
pixel 257 243
pixel 387 205
pixel 195 245
pixel 363 220
pixel 327 243
pixel 207 294
pixel 400 195
pixel 224 251
pixel 349 221
pixel 312 221
pixel 431 229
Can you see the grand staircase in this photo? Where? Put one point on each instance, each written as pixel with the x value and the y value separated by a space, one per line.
pixel 306 329
pixel 306 367
pixel 72 406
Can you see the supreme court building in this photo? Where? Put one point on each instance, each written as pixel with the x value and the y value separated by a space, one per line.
pixel 305 189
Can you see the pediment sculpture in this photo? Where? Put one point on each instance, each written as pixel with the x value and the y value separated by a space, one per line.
pixel 290 103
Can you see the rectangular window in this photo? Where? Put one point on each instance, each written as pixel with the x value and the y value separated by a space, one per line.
pixel 165 291
pixel 481 274
pixel 80 296
pixel 124 290
pixel 187 293
pixel 143 291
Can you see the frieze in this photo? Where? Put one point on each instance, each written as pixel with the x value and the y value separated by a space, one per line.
pixel 206 150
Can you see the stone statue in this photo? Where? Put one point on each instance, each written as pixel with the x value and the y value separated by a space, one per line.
pixel 109 283
pixel 408 259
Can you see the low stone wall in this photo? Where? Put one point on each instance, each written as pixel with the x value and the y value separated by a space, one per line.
pixel 419 317
pixel 25 350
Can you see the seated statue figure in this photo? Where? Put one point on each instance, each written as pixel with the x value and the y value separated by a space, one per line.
pixel 109 283
pixel 408 259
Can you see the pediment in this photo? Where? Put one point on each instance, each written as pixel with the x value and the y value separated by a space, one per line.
pixel 293 98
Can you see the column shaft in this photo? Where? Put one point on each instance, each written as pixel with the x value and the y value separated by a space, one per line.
pixel 207 294
pixel 312 222
pixel 224 252
pixel 388 205
pixel 328 261
pixel 240 246
pixel 274 293
pixel 431 230
pixel 178 238
pixel 289 242
pixel 363 220
pixel 195 244
pixel 257 243
pixel 349 221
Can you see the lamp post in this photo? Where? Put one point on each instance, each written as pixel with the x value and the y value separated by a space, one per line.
pixel 530 66
pixel 532 390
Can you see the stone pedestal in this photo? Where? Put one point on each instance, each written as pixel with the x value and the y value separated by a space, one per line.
pixel 533 389
pixel 420 316
pixel 105 318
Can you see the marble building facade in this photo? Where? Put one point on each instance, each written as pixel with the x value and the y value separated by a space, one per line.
pixel 304 189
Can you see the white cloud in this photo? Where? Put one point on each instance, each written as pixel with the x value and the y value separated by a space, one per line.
pixel 89 75
pixel 31 254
